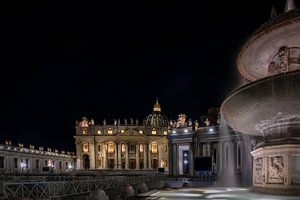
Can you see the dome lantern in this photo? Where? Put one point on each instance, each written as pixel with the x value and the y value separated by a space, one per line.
pixel 156 107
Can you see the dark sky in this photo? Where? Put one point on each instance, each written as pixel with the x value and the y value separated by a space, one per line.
pixel 63 60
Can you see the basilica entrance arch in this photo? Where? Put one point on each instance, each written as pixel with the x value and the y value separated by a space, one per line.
pixel 86 161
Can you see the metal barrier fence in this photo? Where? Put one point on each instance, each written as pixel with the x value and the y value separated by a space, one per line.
pixel 58 189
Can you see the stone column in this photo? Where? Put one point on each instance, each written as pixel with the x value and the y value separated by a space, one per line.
pixel 78 156
pixel 219 158
pixel 149 157
pixel 158 155
pixel 126 157
pixel 174 159
pixel 208 153
pixel 191 160
pixel 137 157
pixel 119 156
pixel 116 156
pixel 104 145
pixel 145 156
pixel 92 155
pixel 96 155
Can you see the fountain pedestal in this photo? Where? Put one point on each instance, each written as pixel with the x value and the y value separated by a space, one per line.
pixel 276 169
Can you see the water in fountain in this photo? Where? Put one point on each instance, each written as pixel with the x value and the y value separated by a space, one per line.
pixel 246 160
pixel 227 173
pixel 237 161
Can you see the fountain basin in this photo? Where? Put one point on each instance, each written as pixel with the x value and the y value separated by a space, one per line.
pixel 269 107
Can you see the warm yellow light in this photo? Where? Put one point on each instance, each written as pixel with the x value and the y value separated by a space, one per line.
pixel 154 147
pixel 165 132
pixel 99 132
pixel 110 131
pixel 140 131
pixel 85 147
pixel 49 163
pixel 122 131
pixel 141 148
pixel 123 148
pixel 153 132
pixel 111 147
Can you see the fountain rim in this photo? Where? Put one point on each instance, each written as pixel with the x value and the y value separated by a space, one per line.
pixel 234 92
pixel 264 29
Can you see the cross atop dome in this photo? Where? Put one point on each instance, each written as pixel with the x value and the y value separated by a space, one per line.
pixel 157 107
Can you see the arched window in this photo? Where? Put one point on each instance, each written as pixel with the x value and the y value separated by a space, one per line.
pixel 123 148
pixel 153 131
pixel 85 147
pixel 154 147
pixel 110 131
pixel 111 147
pixel 141 148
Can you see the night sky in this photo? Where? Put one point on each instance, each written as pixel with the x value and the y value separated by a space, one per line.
pixel 63 60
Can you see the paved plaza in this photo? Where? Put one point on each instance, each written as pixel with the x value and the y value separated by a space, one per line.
pixel 218 193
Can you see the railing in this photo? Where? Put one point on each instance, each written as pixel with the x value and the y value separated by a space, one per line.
pixel 58 189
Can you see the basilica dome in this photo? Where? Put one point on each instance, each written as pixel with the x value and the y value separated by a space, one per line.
pixel 156 119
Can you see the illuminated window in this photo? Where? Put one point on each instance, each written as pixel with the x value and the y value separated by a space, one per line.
pixel 154 147
pixel 109 131
pixel 165 132
pixel 85 147
pixel 140 131
pixel 99 132
pixel 49 163
pixel 153 132
pixel 123 148
pixel 122 131
pixel 141 148
pixel 111 147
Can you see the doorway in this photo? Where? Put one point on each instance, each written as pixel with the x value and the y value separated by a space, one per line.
pixel 86 161
pixel 111 163
pixel 132 164
pixel 154 164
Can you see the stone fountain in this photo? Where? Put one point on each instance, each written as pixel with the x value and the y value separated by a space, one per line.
pixel 270 105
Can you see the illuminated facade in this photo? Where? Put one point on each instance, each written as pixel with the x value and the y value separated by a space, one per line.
pixel 181 147
pixel 210 149
pixel 125 146
pixel 18 159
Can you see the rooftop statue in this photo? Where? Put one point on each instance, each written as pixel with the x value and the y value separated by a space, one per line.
pixel 84 122
pixel 92 122
pixel 181 121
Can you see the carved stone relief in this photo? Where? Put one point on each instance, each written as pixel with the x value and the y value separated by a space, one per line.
pixel 275 169
pixel 282 60
pixel 259 171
